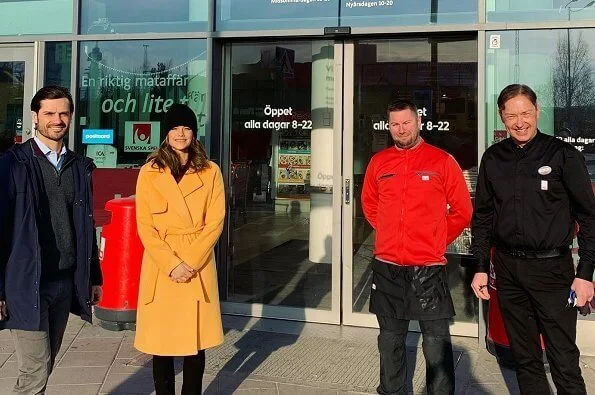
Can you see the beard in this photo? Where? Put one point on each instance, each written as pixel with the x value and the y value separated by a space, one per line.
pixel 51 134
pixel 407 143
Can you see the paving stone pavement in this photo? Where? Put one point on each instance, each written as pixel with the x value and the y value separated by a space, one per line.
pixel 261 357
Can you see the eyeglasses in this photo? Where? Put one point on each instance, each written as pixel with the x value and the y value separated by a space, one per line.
pixel 514 117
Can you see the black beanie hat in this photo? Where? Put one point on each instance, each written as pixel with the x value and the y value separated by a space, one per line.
pixel 178 115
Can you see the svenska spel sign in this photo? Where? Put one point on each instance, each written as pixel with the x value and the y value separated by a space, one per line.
pixel 141 136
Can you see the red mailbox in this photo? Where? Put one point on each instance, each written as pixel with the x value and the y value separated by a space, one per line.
pixel 120 254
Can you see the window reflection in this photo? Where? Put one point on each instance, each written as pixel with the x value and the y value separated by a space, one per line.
pixel 440 76
pixel 422 12
pixel 58 57
pixel 12 82
pixel 538 10
pixel 564 83
pixel 276 14
pixel 138 16
pixel 124 87
pixel 36 17
pixel 281 173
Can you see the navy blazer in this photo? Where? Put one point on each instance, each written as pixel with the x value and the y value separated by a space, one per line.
pixel 21 184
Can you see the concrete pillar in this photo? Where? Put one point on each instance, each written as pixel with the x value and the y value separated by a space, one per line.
pixel 321 169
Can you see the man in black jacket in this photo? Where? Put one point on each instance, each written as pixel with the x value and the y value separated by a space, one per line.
pixel 530 191
pixel 49 265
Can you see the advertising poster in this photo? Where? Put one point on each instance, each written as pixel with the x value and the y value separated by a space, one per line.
pixel 118 91
pixel 141 136
pixel 294 160
pixel 103 155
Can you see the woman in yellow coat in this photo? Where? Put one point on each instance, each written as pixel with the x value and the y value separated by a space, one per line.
pixel 180 209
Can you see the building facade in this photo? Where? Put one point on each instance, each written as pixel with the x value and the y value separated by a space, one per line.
pixel 291 98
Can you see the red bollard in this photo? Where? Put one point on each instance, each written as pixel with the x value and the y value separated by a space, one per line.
pixel 120 254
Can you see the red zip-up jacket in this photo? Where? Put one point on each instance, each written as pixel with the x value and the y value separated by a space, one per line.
pixel 417 201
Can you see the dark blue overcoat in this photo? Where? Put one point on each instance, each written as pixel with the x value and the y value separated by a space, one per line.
pixel 21 184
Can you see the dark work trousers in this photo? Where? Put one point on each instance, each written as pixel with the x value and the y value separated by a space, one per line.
pixel 36 350
pixel 533 295
pixel 437 349
pixel 164 375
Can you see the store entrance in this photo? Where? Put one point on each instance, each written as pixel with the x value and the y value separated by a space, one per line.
pixel 16 90
pixel 284 229
pixel 303 118
pixel 439 74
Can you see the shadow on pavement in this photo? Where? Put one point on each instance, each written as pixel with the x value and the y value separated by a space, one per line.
pixel 254 346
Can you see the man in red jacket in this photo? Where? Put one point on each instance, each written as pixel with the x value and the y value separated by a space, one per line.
pixel 416 198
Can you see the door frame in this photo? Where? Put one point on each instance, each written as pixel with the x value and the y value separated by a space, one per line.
pixel 26 52
pixel 349 317
pixel 342 226
pixel 259 310
pixel 470 329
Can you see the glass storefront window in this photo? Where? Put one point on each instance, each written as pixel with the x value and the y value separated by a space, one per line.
pixel 539 10
pixel 394 12
pixel 36 17
pixel 276 14
pixel 281 115
pixel 12 82
pixel 564 83
pixel 308 14
pixel 440 76
pixel 124 87
pixel 57 66
pixel 138 16
pixel 58 56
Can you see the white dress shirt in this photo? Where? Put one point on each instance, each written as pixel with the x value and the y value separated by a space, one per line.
pixel 55 158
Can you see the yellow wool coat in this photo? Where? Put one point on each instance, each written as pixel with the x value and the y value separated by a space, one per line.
pixel 178 222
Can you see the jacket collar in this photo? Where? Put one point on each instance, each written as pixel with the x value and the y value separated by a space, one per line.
pixel 45 149
pixel 28 150
pixel 69 156
pixel 175 193
pixel 525 148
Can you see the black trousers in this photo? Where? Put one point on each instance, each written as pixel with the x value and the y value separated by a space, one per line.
pixel 437 349
pixel 533 295
pixel 164 374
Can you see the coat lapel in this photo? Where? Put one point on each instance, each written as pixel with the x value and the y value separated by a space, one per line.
pixel 190 183
pixel 167 186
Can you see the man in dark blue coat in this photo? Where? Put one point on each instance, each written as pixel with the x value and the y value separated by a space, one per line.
pixel 49 264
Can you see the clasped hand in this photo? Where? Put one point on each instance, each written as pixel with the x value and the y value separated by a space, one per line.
pixel 182 273
pixel 584 291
